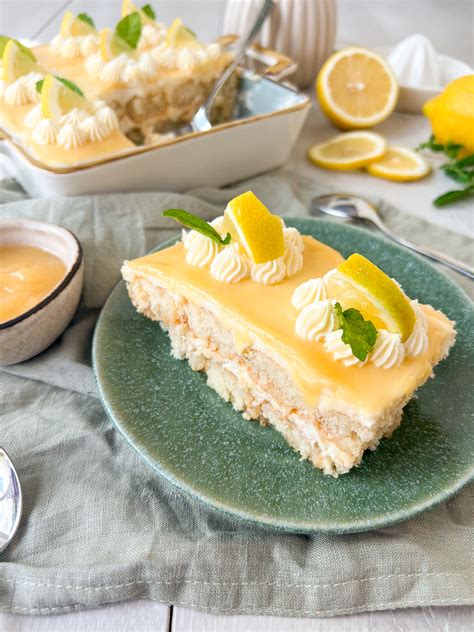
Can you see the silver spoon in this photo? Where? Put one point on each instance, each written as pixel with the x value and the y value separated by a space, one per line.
pixel 10 500
pixel 201 120
pixel 352 207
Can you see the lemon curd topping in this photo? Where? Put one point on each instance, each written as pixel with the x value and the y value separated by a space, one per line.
pixel 27 275
pixel 263 315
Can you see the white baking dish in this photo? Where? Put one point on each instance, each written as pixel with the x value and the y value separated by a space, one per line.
pixel 269 119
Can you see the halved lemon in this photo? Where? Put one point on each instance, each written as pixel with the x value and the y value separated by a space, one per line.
pixel 128 7
pixel 348 151
pixel 359 283
pixel 18 61
pixel 111 45
pixel 252 225
pixel 356 88
pixel 58 99
pixel 73 26
pixel 399 164
pixel 179 36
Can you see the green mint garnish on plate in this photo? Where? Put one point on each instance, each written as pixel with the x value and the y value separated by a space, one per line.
pixel 459 170
pixel 129 29
pixel 358 333
pixel 87 19
pixel 149 11
pixel 196 223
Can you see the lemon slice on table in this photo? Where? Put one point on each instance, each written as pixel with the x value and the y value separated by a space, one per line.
pixel 112 45
pixel 179 36
pixel 73 26
pixel 128 7
pixel 18 61
pixel 57 98
pixel 356 88
pixel 359 283
pixel 399 164
pixel 348 151
pixel 250 223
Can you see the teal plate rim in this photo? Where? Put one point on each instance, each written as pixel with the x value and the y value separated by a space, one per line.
pixel 315 524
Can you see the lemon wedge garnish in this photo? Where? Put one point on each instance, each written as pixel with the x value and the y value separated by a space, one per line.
pixel 348 151
pixel 128 7
pixel 399 164
pixel 111 45
pixel 179 36
pixel 58 99
pixel 251 224
pixel 18 61
pixel 359 283
pixel 356 88
pixel 73 26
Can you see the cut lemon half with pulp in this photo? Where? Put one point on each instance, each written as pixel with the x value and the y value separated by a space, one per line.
pixel 58 99
pixel 179 36
pixel 359 283
pixel 73 26
pixel 112 45
pixel 356 88
pixel 348 151
pixel 18 61
pixel 399 164
pixel 252 225
pixel 128 7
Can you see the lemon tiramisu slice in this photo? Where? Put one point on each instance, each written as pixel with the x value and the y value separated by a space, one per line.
pixel 326 350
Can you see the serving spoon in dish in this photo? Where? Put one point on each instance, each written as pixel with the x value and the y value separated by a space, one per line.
pixel 201 121
pixel 10 500
pixel 352 207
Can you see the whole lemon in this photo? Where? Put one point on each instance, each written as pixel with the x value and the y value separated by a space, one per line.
pixel 451 113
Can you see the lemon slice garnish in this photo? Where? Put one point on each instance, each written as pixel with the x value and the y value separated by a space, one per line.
pixel 359 283
pixel 58 99
pixel 348 151
pixel 111 45
pixel 356 88
pixel 18 61
pixel 179 36
pixel 252 225
pixel 399 164
pixel 73 26
pixel 128 7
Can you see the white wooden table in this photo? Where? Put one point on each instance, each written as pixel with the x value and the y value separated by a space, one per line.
pixel 381 23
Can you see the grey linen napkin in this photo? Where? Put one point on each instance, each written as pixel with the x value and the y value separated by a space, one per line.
pixel 99 525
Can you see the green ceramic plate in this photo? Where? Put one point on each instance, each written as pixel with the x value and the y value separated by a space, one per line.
pixel 197 441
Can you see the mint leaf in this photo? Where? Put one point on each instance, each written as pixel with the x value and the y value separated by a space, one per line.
pixel 358 333
pixel 149 11
pixel 454 196
pixel 39 85
pixel 72 86
pixel 464 176
pixel 87 19
pixel 129 29
pixel 432 145
pixel 468 161
pixel 197 224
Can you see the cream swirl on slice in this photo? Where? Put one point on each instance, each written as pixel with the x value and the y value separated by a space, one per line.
pixel 293 236
pixel 34 116
pixel 315 320
pixel 17 93
pixel 94 129
pixel 230 266
pixel 74 117
pixel 417 341
pixel 106 116
pixel 71 47
pixel 339 350
pixel 309 292
pixel 389 350
pixel 94 65
pixel 200 250
pixel 293 259
pixel 270 272
pixel 151 35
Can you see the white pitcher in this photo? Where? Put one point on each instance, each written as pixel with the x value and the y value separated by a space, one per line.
pixel 304 30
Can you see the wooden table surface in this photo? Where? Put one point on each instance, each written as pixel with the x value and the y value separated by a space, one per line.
pixel 384 22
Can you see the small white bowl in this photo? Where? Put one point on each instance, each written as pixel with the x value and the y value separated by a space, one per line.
pixel 31 333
